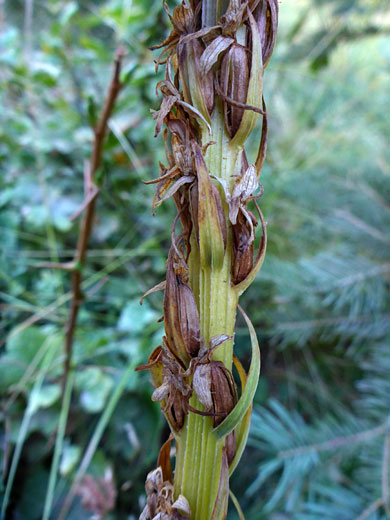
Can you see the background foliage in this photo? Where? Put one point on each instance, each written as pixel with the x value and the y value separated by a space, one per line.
pixel 319 445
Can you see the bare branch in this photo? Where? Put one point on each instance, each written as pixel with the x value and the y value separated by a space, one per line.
pixel 89 206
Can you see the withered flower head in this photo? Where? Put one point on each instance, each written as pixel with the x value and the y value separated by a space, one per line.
pixel 98 496
pixel 171 384
pixel 160 503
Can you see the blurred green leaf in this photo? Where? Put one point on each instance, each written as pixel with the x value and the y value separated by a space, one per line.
pixel 134 318
pixel 94 387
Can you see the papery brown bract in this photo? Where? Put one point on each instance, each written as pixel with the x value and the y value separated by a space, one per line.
pixel 234 81
pixel 266 16
pixel 230 446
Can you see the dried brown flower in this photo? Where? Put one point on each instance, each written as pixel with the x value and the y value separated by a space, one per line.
pixel 171 384
pixel 160 503
pixel 98 496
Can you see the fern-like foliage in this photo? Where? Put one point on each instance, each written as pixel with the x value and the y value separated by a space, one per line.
pixel 320 435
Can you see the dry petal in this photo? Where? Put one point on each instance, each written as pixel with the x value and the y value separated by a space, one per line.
pixel 161 392
pixel 202 385
pixel 211 53
pixel 153 481
pixel 164 460
pixel 189 319
pixel 242 191
pixel 215 389
pixel 182 506
pixel 266 16
pixel 242 250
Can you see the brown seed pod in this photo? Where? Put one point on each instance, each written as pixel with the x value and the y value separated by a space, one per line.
pixel 181 316
pixel 242 248
pixel 234 81
pixel 215 388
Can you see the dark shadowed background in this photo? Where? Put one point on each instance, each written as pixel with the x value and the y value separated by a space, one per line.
pixel 319 445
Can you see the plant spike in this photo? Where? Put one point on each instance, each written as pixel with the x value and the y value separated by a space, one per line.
pixel 212 97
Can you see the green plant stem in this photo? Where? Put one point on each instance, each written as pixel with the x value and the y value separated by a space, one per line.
pixel 199 452
pixel 58 446
pixel 95 439
pixel 23 430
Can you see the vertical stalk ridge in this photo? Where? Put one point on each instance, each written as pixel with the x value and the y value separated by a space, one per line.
pixel 217 304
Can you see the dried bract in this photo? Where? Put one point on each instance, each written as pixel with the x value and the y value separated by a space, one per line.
pixel 266 16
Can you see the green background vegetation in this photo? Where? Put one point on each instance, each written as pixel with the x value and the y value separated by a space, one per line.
pixel 319 445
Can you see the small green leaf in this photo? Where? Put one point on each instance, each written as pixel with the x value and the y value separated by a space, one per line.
pixel 242 429
pixel 236 505
pixel 95 387
pixel 135 318
pixel 70 457
pixel 245 401
pixel 45 397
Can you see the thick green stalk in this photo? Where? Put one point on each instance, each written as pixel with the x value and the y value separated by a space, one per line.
pixel 199 453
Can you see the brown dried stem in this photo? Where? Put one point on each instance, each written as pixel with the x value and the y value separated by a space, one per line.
pixel 88 217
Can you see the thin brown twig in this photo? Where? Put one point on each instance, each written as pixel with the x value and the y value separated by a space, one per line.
pixel 88 217
pixel 66 266
pixel 370 509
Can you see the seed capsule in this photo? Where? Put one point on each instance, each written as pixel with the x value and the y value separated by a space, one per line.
pixel 234 85
pixel 181 316
pixel 242 248
pixel 215 388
